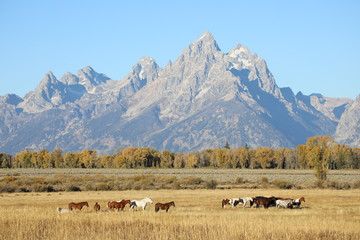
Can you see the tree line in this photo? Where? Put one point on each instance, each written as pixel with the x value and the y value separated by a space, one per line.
pixel 319 153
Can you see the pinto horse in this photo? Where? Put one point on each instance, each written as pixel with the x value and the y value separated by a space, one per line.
pixel 297 202
pixel 231 201
pixel 285 203
pixel 79 205
pixel 266 202
pixel 140 203
pixel 163 206
pixel 247 199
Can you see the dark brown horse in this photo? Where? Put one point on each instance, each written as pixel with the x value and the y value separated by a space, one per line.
pixel 118 205
pixel 97 207
pixel 225 202
pixel 265 201
pixel 79 205
pixel 163 206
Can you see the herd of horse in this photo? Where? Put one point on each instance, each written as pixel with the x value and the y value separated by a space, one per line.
pixel 119 205
pixel 267 202
pixel 253 201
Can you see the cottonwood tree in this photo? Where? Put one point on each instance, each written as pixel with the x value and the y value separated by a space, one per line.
pixel 319 153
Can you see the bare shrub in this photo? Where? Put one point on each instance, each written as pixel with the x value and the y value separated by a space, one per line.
pixel 356 185
pixel 72 188
pixel 211 184
pixel 282 184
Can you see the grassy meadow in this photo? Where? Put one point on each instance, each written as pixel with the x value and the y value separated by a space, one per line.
pixel 326 214
pixel 218 174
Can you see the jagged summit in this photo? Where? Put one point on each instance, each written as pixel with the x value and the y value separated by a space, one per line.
pixel 69 79
pixel 202 100
pixel 205 44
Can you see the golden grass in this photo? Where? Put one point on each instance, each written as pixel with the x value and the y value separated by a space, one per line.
pixel 326 214
pixel 253 175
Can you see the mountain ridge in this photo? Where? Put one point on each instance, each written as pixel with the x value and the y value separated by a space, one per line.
pixel 202 100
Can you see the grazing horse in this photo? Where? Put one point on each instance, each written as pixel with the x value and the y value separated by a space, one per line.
pixel 247 199
pixel 111 204
pixel 120 205
pixel 297 202
pixel 97 207
pixel 63 210
pixel 163 206
pixel 140 203
pixel 286 203
pixel 266 202
pixel 231 201
pixel 79 205
pixel 225 202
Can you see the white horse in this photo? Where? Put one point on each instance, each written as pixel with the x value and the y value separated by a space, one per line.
pixel 63 210
pixel 288 203
pixel 140 203
pixel 245 200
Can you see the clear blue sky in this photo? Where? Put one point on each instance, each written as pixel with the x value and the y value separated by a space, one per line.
pixel 310 46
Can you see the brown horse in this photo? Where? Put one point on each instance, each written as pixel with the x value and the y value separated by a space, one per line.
pixel 265 201
pixel 225 202
pixel 163 206
pixel 79 205
pixel 97 207
pixel 118 205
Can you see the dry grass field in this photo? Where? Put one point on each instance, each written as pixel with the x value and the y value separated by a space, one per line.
pixel 326 214
pixel 253 175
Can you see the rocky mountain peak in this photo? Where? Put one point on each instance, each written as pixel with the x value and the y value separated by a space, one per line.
pixel 203 99
pixel 204 45
pixel 89 78
pixel 240 52
pixel 11 99
pixel 348 130
pixel 69 79
pixel 48 79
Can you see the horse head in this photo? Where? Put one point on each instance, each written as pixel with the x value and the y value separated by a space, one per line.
pixel 87 204
pixel 149 200
pixel 172 203
pixel 302 199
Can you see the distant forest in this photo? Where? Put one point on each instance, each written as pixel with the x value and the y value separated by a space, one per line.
pixel 319 152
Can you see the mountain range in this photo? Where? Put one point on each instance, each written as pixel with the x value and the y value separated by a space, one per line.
pixel 202 100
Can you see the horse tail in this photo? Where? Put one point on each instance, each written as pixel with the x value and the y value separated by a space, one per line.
pixel 156 208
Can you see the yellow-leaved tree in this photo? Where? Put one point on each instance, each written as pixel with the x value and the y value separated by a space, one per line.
pixel 319 154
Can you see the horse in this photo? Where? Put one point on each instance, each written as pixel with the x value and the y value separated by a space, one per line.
pixel 297 202
pixel 140 203
pixel 119 205
pixel 231 201
pixel 97 207
pixel 247 199
pixel 266 202
pixel 225 202
pixel 79 205
pixel 286 203
pixel 163 206
pixel 63 210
